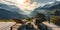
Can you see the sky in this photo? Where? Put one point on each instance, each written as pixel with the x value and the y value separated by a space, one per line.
pixel 27 7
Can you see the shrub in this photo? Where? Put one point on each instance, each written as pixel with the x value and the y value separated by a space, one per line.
pixel 55 20
pixel 29 19
pixel 41 17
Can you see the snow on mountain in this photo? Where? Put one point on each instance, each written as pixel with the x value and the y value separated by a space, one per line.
pixel 48 6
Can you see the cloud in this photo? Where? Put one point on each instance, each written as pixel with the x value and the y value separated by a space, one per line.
pixel 27 9
pixel 57 0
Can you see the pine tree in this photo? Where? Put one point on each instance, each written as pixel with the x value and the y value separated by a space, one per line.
pixel 56 13
pixel 40 16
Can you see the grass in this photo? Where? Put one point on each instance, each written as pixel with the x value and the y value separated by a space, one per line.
pixel 6 20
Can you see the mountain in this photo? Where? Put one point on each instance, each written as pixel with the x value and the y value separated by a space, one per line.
pixel 11 12
pixel 12 8
pixel 48 9
pixel 55 5
pixel 4 14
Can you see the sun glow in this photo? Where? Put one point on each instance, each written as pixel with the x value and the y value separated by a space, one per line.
pixel 20 1
pixel 26 5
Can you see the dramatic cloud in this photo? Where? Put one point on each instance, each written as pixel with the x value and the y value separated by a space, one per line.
pixel 28 6
pixel 25 7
